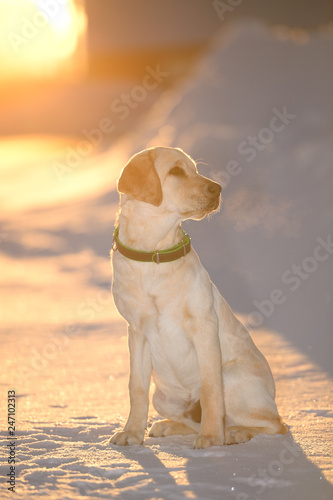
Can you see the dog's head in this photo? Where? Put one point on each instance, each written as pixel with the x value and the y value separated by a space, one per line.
pixel 168 178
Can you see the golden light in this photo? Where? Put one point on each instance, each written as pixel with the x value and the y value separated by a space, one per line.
pixel 41 37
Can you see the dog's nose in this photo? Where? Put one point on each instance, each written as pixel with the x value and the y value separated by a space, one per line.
pixel 212 189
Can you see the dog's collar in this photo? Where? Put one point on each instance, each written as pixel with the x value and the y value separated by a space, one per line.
pixel 168 255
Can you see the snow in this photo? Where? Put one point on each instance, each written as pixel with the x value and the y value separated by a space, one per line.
pixel 64 344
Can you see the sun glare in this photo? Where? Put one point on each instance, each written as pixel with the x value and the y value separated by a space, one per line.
pixel 39 37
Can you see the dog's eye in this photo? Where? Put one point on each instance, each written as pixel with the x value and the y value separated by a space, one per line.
pixel 178 171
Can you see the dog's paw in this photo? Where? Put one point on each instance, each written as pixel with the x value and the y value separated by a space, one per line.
pixel 204 441
pixel 125 438
pixel 237 435
pixel 164 428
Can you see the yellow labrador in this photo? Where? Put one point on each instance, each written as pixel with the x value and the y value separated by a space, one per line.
pixel 210 379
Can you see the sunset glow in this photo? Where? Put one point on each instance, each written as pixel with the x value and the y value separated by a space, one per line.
pixel 38 37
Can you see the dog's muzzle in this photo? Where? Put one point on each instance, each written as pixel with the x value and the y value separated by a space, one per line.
pixel 212 189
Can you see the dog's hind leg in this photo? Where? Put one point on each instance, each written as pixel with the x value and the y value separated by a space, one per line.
pixel 240 434
pixel 169 428
pixel 250 408
pixel 181 417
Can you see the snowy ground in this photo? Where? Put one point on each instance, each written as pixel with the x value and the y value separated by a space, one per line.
pixel 68 408
pixel 64 345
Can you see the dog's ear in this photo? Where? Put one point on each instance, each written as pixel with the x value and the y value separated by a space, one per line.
pixel 140 180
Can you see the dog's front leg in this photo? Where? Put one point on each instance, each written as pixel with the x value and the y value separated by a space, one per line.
pixel 140 373
pixel 207 345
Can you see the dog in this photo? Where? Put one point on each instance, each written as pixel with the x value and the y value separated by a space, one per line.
pixel 210 378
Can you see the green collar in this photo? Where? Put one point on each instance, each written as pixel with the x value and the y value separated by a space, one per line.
pixel 168 255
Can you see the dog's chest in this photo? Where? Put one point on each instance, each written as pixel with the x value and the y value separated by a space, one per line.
pixel 174 360
pixel 150 304
pixel 139 289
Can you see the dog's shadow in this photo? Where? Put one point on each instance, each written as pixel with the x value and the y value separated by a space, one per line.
pixel 267 467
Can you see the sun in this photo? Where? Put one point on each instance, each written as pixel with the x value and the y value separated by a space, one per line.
pixel 39 36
